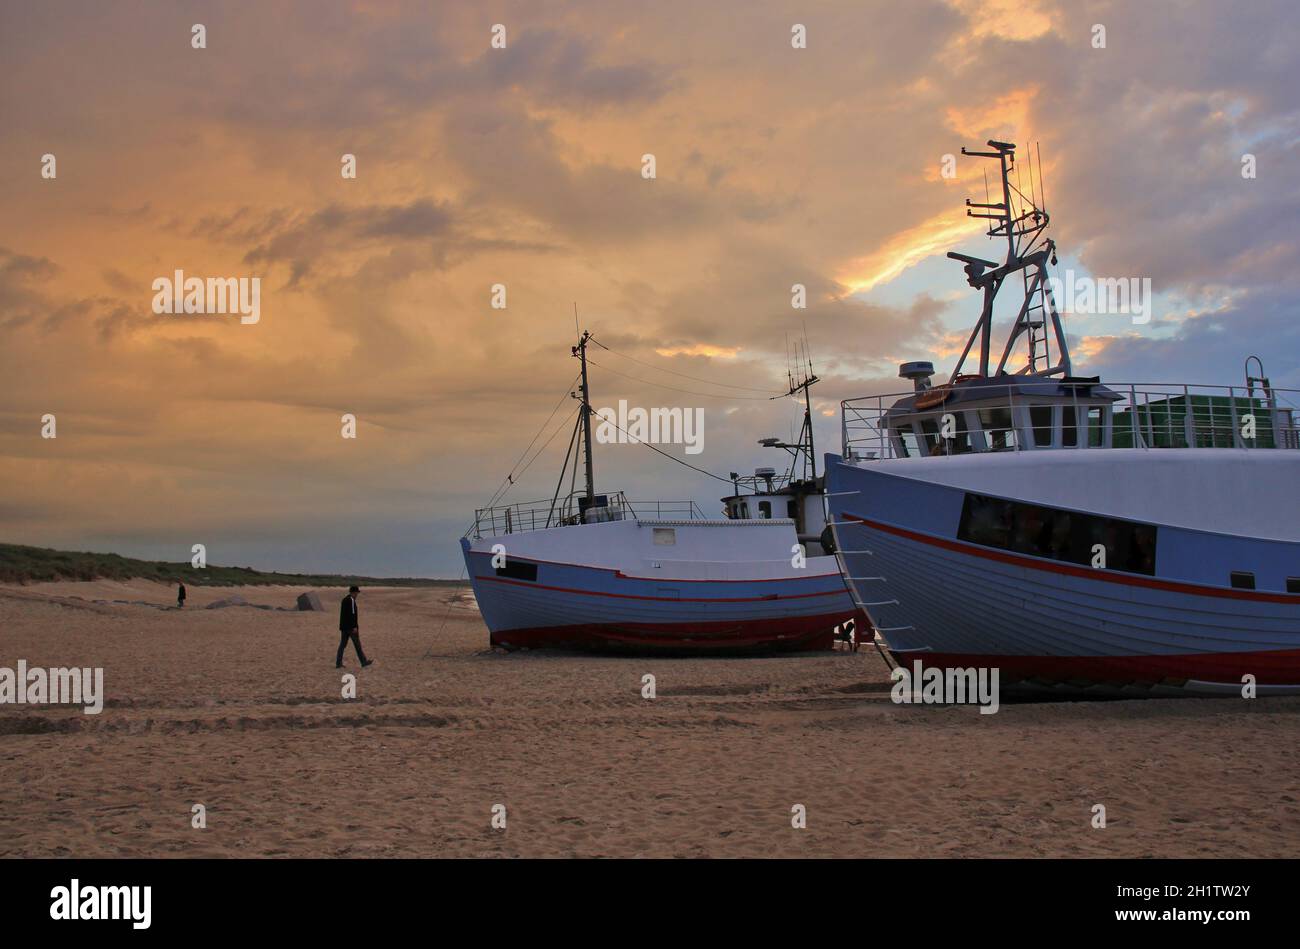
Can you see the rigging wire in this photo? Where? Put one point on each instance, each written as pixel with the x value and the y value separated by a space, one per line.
pixel 636 441
pixel 568 453
pixel 510 478
pixel 707 395
pixel 559 428
pixel 451 603
pixel 516 471
pixel 725 385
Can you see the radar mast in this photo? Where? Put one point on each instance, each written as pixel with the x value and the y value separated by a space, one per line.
pixel 1021 222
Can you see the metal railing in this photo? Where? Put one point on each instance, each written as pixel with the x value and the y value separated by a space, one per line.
pixel 1146 415
pixel 568 511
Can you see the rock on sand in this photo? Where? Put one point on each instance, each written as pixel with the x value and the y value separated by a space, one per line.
pixel 309 601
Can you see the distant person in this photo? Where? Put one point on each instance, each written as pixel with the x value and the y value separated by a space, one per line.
pixel 180 595
pixel 350 628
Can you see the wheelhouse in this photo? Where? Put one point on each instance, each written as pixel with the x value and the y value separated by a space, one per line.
pixel 979 415
pixel 1030 413
pixel 765 495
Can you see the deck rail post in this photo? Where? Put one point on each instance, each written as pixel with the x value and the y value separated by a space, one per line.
pixel 1135 419
pixel 1015 422
pixel 1237 440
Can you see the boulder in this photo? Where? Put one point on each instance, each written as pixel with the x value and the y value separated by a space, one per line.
pixel 309 601
pixel 233 600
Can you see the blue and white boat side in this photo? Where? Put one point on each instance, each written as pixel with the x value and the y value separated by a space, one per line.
pixel 988 561
pixel 657 583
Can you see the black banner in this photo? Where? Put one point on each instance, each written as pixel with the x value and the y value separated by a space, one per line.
pixel 144 898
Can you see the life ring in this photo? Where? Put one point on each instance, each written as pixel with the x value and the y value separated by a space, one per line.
pixel 939 394
pixel 936 396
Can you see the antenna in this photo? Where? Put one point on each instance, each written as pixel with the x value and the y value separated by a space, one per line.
pixel 986 191
pixel 575 316
pixel 803 449
pixel 1018 190
pixel 789 376
pixel 1042 188
pixel 1032 193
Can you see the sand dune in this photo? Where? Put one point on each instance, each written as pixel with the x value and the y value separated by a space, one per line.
pixel 239 709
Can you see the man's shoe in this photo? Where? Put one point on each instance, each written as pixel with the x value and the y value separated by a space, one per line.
pixel 368 662
pixel 339 666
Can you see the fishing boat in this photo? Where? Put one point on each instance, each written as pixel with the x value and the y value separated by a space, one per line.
pixel 593 570
pixel 1081 537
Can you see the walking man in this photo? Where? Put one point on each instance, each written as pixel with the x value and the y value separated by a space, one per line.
pixel 350 628
pixel 180 596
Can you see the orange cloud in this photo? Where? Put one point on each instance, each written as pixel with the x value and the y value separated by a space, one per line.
pixel 701 349
pixel 1005 118
pixel 1006 19
pixel 938 235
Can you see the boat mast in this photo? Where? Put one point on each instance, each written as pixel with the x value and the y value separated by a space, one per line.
pixel 807 420
pixel 803 448
pixel 580 351
pixel 1019 219
pixel 806 435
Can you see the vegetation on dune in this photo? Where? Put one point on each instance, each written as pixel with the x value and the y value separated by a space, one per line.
pixel 19 564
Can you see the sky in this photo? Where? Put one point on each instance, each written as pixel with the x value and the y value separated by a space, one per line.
pixel 522 165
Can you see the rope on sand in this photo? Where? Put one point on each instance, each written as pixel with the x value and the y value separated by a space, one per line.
pixel 451 603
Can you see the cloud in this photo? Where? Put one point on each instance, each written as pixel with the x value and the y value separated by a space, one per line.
pixel 303 239
pixel 522 167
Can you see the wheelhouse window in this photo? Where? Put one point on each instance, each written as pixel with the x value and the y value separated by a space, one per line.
pixel 907 444
pixel 998 428
pixel 765 509
pixel 1040 417
pixel 792 510
pixel 1096 426
pixel 1069 536
pixel 930 433
pixel 1069 427
pixel 947 434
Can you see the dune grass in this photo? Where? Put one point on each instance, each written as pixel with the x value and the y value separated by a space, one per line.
pixel 20 564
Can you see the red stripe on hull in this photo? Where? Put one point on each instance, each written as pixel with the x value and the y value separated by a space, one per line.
pixel 1274 667
pixel 533 585
pixel 788 634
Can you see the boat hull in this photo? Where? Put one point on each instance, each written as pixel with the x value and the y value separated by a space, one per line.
pixel 557 604
pixel 1050 626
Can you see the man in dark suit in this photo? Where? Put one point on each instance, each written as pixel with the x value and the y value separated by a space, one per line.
pixel 350 628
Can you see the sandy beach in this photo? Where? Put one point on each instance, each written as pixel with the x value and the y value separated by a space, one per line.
pixel 240 709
